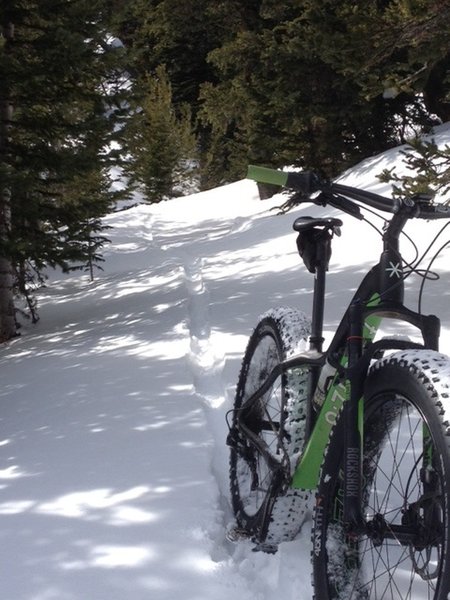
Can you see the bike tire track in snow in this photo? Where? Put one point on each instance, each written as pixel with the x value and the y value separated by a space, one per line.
pixel 205 362
pixel 254 575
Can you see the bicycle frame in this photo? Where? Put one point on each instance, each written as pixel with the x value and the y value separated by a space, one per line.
pixel 350 371
pixel 380 295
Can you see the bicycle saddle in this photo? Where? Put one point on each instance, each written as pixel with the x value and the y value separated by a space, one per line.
pixel 306 223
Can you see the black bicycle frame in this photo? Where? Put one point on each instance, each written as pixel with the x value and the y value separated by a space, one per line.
pixel 381 293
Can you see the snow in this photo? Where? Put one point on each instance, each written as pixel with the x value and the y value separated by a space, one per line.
pixel 113 464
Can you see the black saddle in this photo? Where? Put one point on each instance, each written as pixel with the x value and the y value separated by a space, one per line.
pixel 314 240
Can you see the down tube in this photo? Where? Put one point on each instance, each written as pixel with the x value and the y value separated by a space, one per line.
pixel 306 474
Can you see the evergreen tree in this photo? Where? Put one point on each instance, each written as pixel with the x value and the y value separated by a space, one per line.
pixel 428 171
pixel 317 83
pixel 178 36
pixel 306 82
pixel 398 49
pixel 63 81
pixel 160 139
pixel 7 316
pixel 281 103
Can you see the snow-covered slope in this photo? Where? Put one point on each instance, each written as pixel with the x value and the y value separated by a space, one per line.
pixel 113 465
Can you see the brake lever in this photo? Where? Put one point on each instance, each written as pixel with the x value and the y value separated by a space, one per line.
pixel 340 202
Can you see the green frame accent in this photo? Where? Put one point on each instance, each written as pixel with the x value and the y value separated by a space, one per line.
pixel 306 475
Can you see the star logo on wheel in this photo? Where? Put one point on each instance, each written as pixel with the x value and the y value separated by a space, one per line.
pixel 394 270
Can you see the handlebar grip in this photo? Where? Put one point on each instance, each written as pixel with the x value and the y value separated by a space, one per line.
pixel 265 175
pixel 305 182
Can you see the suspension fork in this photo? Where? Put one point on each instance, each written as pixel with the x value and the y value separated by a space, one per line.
pixel 353 423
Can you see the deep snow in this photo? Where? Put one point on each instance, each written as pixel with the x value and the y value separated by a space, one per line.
pixel 113 464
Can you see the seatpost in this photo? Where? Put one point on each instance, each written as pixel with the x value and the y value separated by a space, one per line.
pixel 323 253
pixel 321 267
pixel 316 339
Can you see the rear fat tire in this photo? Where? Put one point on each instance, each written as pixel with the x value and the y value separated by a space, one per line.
pixel 404 392
pixel 269 518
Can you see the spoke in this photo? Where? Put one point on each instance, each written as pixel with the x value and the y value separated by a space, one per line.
pixel 394 479
pixel 394 444
pixel 267 413
pixel 394 570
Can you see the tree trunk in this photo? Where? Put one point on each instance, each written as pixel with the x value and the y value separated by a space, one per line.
pixel 435 91
pixel 7 314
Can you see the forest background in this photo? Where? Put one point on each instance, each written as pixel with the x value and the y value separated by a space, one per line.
pixel 172 96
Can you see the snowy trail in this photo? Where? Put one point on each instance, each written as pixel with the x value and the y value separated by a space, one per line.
pixel 93 479
pixel 108 470
pixel 91 476
pixel 113 464
pixel 240 571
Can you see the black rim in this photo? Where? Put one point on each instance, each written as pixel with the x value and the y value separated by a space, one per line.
pixel 254 479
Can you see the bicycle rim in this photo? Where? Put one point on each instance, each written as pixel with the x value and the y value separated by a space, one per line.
pixel 404 488
pixel 268 434
pixel 266 417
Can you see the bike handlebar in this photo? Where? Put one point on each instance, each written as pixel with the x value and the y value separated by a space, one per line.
pixel 307 183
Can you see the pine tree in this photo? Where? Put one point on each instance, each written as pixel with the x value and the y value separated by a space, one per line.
pixel 64 82
pixel 178 36
pixel 396 49
pixel 7 315
pixel 281 103
pixel 412 54
pixel 428 171
pixel 306 82
pixel 160 140
pixel 317 83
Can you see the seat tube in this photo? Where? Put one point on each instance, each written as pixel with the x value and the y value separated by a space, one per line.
pixel 316 339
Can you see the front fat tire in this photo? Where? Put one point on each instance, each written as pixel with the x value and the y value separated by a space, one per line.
pixel 407 393
pixel 267 517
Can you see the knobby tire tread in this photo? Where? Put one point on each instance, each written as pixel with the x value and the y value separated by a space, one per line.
pixel 422 378
pixel 279 517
